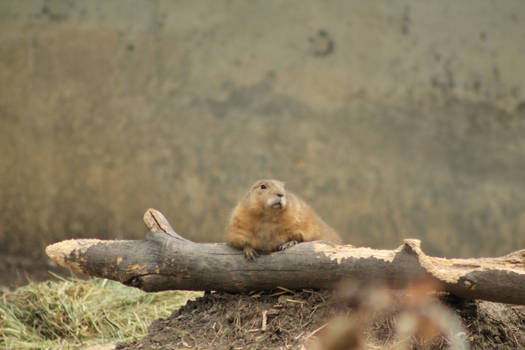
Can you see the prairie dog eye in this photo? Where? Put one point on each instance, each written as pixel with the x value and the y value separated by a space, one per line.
pixel 263 187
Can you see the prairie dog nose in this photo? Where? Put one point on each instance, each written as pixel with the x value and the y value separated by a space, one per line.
pixel 280 195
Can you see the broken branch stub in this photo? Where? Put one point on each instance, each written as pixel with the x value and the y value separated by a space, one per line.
pixel 164 260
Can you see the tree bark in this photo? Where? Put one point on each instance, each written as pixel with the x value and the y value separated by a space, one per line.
pixel 164 260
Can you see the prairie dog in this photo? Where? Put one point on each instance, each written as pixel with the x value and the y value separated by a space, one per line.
pixel 270 218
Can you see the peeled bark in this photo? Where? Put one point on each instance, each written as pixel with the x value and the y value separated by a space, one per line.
pixel 164 260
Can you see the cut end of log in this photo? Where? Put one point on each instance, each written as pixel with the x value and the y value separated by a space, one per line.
pixel 67 253
pixel 155 221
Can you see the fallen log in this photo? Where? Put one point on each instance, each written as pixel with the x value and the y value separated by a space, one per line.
pixel 165 260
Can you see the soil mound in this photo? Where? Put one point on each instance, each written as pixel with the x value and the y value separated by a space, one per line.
pixel 287 320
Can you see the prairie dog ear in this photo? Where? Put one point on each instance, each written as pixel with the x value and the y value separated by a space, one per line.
pixel 277 182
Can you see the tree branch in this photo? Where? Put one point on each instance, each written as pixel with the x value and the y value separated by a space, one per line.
pixel 164 260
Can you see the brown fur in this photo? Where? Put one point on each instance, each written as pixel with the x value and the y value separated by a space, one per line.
pixel 272 218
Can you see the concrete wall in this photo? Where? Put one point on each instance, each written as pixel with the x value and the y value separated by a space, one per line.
pixel 393 119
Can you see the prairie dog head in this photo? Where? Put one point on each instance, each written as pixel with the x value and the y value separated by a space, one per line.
pixel 267 194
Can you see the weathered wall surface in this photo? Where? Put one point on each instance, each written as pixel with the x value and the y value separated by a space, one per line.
pixel 393 120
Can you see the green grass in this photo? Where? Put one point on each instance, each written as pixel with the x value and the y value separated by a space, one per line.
pixel 72 313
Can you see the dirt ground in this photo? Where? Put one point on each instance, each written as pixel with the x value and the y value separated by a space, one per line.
pixel 287 320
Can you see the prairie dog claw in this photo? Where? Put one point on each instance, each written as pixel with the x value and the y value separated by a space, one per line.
pixel 287 245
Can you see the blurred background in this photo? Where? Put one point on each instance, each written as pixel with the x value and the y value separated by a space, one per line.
pixel 392 119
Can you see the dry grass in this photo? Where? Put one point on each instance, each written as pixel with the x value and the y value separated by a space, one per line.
pixel 72 313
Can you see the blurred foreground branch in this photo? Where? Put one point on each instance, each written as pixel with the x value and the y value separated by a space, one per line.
pixel 164 260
